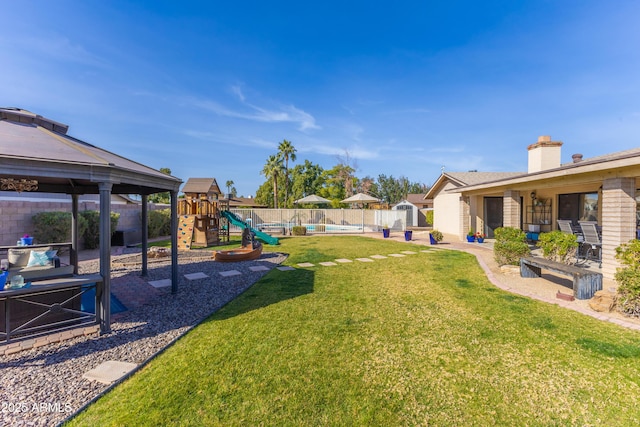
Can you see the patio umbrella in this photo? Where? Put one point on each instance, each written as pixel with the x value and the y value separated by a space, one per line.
pixel 360 198
pixel 312 199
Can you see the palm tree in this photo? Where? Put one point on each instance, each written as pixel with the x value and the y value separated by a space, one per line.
pixel 272 169
pixel 229 184
pixel 287 151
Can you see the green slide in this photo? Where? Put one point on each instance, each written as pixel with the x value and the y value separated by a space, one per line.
pixel 238 222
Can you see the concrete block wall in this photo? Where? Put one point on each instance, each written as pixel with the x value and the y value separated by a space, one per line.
pixel 16 216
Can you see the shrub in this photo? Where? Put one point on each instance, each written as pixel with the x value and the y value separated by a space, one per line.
pixel 55 227
pixel 299 230
pixel 437 235
pixel 91 234
pixel 429 217
pixel 159 223
pixel 628 278
pixel 510 246
pixel 558 246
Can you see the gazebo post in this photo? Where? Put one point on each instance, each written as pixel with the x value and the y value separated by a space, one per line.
pixel 174 242
pixel 145 229
pixel 104 311
pixel 73 251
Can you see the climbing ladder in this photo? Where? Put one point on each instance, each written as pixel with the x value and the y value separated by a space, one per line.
pixel 185 231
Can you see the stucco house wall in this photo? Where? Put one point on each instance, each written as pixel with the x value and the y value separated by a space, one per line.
pixel 447 211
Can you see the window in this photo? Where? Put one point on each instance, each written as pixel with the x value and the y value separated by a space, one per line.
pixel 578 207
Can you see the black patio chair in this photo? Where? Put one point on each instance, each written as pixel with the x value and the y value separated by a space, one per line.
pixel 592 241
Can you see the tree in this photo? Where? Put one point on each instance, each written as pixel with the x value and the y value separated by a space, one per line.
pixel 393 190
pixel 345 169
pixel 272 169
pixel 161 197
pixel 337 181
pixel 287 151
pixel 306 179
pixel 229 184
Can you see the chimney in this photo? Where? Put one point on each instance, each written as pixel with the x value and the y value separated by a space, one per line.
pixel 577 158
pixel 544 154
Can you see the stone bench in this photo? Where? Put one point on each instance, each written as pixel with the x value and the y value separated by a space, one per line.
pixel 585 282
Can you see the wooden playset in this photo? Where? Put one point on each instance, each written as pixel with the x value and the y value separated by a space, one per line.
pixel 199 220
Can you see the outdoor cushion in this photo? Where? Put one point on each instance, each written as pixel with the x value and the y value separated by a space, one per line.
pixel 19 257
pixel 38 258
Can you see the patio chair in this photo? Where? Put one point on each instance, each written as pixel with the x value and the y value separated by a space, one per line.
pixel 591 241
pixel 565 226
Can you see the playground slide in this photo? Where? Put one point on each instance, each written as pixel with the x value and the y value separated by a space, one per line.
pixel 235 220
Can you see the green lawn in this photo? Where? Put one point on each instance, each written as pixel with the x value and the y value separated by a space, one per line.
pixel 419 340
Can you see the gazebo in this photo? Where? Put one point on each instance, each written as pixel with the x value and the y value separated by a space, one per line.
pixel 36 154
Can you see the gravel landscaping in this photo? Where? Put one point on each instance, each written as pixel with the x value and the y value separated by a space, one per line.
pixel 44 386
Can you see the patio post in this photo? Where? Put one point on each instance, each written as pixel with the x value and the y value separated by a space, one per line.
pixel 618 219
pixel 174 242
pixel 73 251
pixel 103 311
pixel 145 229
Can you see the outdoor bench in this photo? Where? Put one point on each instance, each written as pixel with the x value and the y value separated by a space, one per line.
pixel 273 228
pixel 585 282
pixel 48 305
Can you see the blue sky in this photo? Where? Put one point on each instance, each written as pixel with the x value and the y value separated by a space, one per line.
pixel 210 88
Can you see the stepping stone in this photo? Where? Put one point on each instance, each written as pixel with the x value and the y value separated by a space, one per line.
pixel 397 255
pixel 378 257
pixel 343 260
pixel 364 259
pixel 160 283
pixel 259 268
pixel 328 263
pixel 109 371
pixel 409 252
pixel 230 273
pixel 305 264
pixel 195 276
pixel 285 268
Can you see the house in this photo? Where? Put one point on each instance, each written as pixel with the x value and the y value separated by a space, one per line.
pixel 602 188
pixel 418 205
pixel 245 202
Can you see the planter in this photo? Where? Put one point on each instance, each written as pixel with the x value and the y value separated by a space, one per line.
pixel 385 233
pixel 471 239
pixel 26 241
pixel 407 235
pixel 480 239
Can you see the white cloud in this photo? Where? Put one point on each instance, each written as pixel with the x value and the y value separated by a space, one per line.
pixel 58 48
pixel 282 114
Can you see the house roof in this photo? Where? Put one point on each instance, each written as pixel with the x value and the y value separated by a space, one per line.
pixel 36 148
pixel 245 202
pixel 463 179
pixel 201 186
pixel 416 199
pixel 623 163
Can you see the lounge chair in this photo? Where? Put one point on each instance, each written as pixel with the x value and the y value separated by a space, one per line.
pixel 592 241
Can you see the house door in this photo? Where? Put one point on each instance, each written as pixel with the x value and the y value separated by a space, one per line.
pixel 493 215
